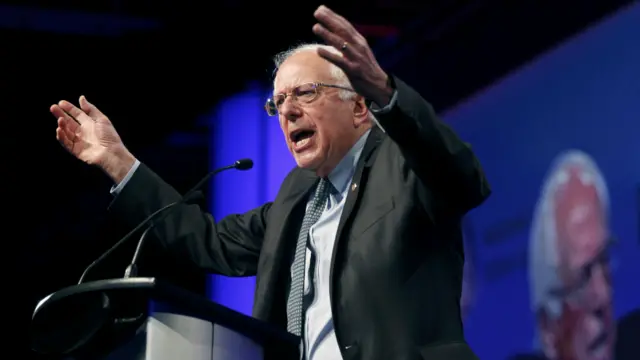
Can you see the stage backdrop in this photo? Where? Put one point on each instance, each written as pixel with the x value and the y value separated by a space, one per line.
pixel 583 95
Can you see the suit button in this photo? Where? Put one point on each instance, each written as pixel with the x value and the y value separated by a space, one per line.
pixel 354 186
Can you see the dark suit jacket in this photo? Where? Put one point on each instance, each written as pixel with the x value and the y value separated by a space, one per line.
pixel 398 256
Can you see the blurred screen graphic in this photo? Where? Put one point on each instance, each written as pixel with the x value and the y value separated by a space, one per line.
pixel 556 247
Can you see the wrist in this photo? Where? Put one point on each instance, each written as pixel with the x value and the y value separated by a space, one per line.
pixel 118 164
pixel 385 92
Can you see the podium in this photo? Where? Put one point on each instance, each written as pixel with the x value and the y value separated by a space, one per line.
pixel 145 318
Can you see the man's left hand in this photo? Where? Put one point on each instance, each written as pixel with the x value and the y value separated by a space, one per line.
pixel 358 62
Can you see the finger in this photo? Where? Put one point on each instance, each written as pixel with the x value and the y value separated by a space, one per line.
pixel 64 140
pixel 329 37
pixel 335 23
pixel 59 113
pixel 70 128
pixel 337 59
pixel 89 108
pixel 76 113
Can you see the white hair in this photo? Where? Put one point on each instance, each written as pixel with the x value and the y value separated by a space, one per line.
pixel 336 73
pixel 544 257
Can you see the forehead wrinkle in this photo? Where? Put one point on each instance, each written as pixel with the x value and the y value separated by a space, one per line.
pixel 290 84
pixel 301 68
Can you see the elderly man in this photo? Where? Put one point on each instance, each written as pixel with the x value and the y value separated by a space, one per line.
pixel 569 267
pixel 361 252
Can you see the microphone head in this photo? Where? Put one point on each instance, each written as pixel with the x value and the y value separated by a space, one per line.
pixel 243 164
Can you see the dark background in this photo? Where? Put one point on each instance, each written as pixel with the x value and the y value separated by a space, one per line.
pixel 154 66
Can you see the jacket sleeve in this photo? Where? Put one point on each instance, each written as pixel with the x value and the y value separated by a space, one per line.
pixel 230 247
pixel 442 161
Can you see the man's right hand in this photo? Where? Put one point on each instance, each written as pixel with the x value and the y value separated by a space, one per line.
pixel 89 135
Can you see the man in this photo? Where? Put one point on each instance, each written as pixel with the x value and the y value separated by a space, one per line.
pixel 361 252
pixel 569 268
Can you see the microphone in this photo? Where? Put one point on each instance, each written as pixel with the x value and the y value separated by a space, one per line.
pixel 190 196
pixel 132 269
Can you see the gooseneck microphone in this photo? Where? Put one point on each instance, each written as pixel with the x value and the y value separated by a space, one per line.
pixel 190 196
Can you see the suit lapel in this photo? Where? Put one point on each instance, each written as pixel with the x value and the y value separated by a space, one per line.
pixel 357 184
pixel 284 225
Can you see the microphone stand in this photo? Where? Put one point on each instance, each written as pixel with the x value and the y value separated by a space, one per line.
pixel 132 269
pixel 192 194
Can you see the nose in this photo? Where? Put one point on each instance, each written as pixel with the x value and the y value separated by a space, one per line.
pixel 290 110
pixel 599 288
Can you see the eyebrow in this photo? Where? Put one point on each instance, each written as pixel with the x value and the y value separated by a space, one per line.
pixel 288 88
pixel 297 82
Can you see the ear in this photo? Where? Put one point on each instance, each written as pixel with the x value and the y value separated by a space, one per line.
pixel 360 112
pixel 548 334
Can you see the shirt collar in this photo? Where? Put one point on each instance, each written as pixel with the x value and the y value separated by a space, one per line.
pixel 341 176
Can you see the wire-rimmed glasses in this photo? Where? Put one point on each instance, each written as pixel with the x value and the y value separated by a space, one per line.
pixel 304 94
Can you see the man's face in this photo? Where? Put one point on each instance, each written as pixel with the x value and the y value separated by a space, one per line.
pixel 586 328
pixel 318 133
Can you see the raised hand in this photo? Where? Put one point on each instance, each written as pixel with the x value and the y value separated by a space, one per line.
pixel 357 60
pixel 89 135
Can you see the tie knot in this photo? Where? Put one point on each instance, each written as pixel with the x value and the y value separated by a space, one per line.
pixel 324 188
pixel 321 195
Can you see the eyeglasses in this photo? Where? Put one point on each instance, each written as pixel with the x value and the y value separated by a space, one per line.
pixel 303 94
pixel 575 292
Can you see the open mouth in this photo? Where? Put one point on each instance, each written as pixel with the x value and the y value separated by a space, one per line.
pixel 301 137
pixel 598 347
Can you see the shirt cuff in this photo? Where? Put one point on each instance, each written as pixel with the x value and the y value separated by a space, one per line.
pixel 115 189
pixel 376 110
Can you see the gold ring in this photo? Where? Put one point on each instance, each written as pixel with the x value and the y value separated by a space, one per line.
pixel 344 46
